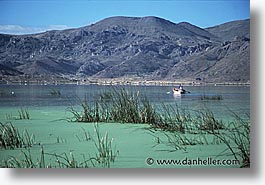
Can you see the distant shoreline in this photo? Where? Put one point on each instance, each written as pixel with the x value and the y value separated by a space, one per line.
pixel 114 82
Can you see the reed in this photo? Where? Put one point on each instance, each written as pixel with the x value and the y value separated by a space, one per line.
pixel 122 106
pixel 104 104
pixel 9 117
pixel 60 140
pixel 10 138
pixel 104 157
pixel 23 113
pixel 237 139
pixel 148 112
pixel 87 136
pixel 55 92
pixel 70 161
pixel 125 106
pixel 28 139
pixel 17 162
pixel 235 136
pixel 26 160
pixel 118 106
pixel 205 120
pixel 213 97
pixel 180 141
pixel 65 161
pixel 174 119
pixel 89 113
pixel 106 154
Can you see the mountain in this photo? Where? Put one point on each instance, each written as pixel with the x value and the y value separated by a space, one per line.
pixel 8 71
pixel 228 31
pixel 132 47
pixel 229 62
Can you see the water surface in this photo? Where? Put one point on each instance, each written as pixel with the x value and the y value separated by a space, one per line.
pixel 135 144
pixel 234 98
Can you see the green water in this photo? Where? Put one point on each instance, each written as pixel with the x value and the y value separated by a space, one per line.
pixel 235 98
pixel 134 143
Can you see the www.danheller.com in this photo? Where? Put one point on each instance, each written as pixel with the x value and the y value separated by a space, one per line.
pixel 193 162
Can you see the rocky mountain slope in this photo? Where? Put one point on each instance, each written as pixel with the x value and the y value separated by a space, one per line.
pixel 143 48
pixel 228 31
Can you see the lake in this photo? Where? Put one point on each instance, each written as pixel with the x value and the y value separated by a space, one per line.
pixel 133 142
pixel 235 98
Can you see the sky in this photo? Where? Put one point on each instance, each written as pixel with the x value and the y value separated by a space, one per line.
pixel 33 16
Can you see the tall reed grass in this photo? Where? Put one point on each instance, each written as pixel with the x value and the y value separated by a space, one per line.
pixel 106 153
pixel 180 141
pixel 122 106
pixel 104 157
pixel 46 160
pixel 26 161
pixel 23 113
pixel 213 97
pixel 205 120
pixel 235 136
pixel 55 92
pixel 10 138
pixel 237 139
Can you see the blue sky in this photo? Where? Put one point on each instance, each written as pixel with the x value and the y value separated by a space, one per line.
pixel 31 16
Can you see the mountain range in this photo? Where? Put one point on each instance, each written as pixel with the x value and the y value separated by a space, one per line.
pixel 149 48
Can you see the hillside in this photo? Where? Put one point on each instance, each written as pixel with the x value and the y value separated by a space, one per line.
pixel 228 31
pixel 136 47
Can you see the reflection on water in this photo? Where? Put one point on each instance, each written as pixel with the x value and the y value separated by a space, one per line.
pixel 177 96
pixel 235 98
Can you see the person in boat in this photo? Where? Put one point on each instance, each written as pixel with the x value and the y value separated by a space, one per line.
pixel 180 87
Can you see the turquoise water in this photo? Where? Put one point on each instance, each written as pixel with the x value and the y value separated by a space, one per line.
pixel 235 98
pixel 135 144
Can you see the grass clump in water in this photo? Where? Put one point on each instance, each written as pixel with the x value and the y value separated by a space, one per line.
pixel 26 160
pixel 23 113
pixel 214 97
pixel 125 106
pixel 89 114
pixel 55 92
pixel 205 120
pixel 172 118
pixel 122 106
pixel 236 136
pixel 104 157
pixel 87 136
pixel 10 138
pixel 116 106
pixel 237 139
pixel 106 154
pixel 180 141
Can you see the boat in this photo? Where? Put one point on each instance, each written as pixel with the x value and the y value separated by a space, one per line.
pixel 179 91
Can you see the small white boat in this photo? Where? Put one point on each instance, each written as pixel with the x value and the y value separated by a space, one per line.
pixel 179 91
